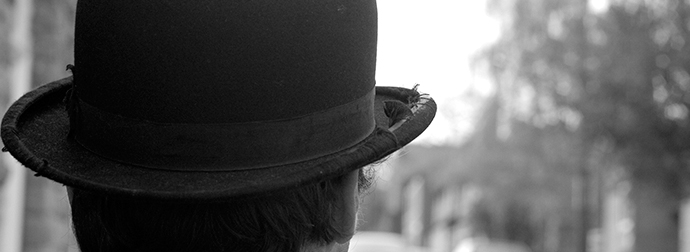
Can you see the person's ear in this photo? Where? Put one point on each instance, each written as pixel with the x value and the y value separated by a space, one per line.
pixel 347 206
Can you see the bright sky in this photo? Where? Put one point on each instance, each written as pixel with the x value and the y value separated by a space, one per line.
pixel 432 43
pixel 598 6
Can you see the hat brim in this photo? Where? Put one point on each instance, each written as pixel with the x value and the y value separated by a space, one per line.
pixel 34 130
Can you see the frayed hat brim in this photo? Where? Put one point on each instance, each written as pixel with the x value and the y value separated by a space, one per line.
pixel 35 129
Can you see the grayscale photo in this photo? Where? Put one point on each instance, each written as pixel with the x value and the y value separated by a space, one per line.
pixel 345 125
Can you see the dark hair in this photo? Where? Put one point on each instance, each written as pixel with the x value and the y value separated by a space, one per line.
pixel 281 221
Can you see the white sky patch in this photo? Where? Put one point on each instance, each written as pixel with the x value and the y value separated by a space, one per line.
pixel 432 43
pixel 598 6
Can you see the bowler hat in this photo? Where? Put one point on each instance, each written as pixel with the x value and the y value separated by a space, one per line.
pixel 213 99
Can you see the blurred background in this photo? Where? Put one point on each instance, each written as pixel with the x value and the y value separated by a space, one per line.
pixel 562 126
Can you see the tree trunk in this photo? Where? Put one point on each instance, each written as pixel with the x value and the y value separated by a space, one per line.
pixel 19 72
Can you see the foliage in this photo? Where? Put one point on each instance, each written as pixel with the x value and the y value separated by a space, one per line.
pixel 617 77
pixel 620 74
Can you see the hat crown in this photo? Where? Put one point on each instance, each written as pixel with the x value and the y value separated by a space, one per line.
pixel 218 61
pixel 213 99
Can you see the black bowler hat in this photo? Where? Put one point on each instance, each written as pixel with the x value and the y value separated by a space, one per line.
pixel 213 99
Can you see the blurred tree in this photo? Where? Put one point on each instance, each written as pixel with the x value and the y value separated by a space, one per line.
pixel 5 24
pixel 47 44
pixel 16 72
pixel 522 179
pixel 526 193
pixel 618 77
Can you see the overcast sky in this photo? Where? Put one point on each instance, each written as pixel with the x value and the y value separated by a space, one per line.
pixel 432 43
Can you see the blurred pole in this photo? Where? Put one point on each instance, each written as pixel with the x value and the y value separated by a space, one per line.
pixel 21 61
pixel 584 227
pixel 584 173
pixel 413 215
pixel 684 232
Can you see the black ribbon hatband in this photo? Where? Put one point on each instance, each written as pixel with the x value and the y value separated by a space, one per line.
pixel 223 147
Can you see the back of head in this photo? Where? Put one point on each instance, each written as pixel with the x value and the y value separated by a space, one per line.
pixel 280 221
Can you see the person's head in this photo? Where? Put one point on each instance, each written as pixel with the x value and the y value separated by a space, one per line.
pixel 315 217
pixel 222 123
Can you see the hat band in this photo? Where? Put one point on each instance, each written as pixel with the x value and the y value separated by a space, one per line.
pixel 222 147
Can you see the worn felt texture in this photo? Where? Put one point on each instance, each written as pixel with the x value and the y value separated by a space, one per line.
pixel 35 129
